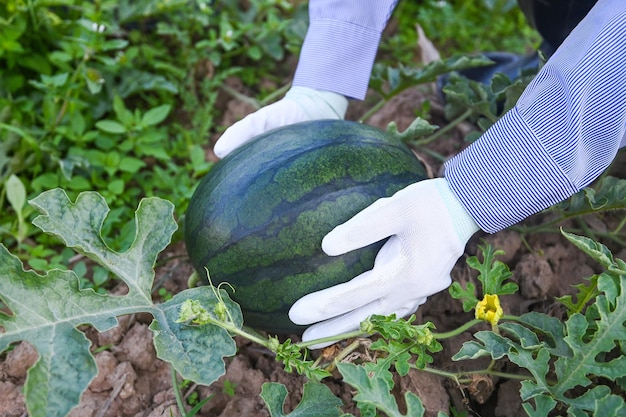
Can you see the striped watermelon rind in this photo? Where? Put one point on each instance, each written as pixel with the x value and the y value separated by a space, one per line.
pixel 257 219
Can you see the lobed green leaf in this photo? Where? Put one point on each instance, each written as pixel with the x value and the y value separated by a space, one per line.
pixel 493 345
pixel 551 331
pixel 466 295
pixel 597 251
pixel 544 404
pixel 196 352
pixel 608 194
pixel 610 405
pixel 317 401
pixel 492 272
pixel 79 224
pixel 397 79
pixel 586 293
pixel 567 358
pixel 374 389
pixel 46 309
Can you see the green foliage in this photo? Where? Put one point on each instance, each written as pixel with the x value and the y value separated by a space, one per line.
pixel 586 294
pixel 389 81
pixel 402 345
pixel 482 104
pixel 16 196
pixel 418 128
pixel 598 252
pixel 492 274
pixel 466 100
pixel 458 26
pixel 570 357
pixel 46 309
pixel 605 198
pixel 292 358
pixel 374 392
pixel 120 96
pixel 317 401
pixel 192 400
pixel 229 388
pixel 400 341
pixel 193 329
pixel 604 201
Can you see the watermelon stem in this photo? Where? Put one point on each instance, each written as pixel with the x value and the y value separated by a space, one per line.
pixel 326 340
pixel 459 330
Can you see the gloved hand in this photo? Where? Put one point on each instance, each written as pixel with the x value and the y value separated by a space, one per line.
pixel 299 104
pixel 427 228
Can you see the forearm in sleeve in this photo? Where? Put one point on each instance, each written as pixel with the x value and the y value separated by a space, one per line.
pixel 341 43
pixel 563 133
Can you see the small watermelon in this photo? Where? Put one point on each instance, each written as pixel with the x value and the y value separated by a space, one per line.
pixel 257 219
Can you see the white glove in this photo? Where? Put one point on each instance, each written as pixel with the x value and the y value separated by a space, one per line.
pixel 299 104
pixel 427 228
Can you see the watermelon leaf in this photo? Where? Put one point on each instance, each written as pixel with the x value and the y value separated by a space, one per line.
pixel 418 128
pixel 46 309
pixel 196 352
pixel 79 224
pixel 586 293
pixel 587 344
pixel 608 194
pixel 492 275
pixel 492 272
pixel 544 404
pixel 466 295
pixel 317 400
pixel 597 251
pixel 390 81
pixel 374 391
pixel 576 352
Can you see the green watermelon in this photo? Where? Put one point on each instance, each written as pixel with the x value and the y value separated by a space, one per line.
pixel 257 219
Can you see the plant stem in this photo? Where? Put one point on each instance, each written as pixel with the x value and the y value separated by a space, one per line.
pixel 453 124
pixel 341 356
pixel 452 375
pixel 229 327
pixel 236 94
pixel 619 226
pixel 348 335
pixel 461 375
pixel 434 154
pixel 467 325
pixel 457 331
pixel 69 92
pixel 179 400
pixel 548 226
pixel 373 110
pixel 511 317
pixel 348 350
pixel 275 94
pixel 503 374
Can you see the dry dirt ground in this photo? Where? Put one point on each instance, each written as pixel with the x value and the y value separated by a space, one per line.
pixel 133 382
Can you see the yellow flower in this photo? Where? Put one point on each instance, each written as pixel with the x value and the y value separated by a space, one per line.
pixel 489 309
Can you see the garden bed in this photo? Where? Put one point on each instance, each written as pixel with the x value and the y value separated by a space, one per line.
pixel 131 380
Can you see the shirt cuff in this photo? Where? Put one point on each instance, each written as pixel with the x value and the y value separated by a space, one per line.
pixel 337 56
pixel 507 175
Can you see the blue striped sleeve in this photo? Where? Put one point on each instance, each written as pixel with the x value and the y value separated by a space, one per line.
pixel 562 134
pixel 341 43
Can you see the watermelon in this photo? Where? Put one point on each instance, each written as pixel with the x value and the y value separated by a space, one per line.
pixel 257 219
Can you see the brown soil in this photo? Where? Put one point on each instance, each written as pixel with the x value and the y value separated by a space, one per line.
pixel 133 382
